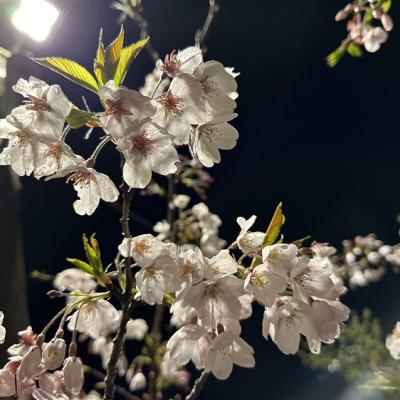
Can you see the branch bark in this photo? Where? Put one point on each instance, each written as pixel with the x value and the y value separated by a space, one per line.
pixel 198 386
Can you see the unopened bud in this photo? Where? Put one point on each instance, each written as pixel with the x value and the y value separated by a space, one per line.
pixel 54 354
pixel 377 13
pixel 387 22
pixel 138 382
pixel 73 375
pixel 341 15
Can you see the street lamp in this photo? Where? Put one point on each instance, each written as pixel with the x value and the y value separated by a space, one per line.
pixel 35 18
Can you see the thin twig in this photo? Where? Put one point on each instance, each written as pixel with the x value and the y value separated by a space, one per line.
pixel 136 15
pixel 198 386
pixel 119 389
pixel 127 302
pixel 202 33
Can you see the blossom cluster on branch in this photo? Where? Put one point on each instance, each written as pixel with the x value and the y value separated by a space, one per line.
pixel 175 126
pixel 368 24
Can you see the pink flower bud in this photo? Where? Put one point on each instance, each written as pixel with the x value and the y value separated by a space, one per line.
pixel 54 354
pixel 30 364
pixel 387 22
pixel 341 15
pixel 138 382
pixel 73 375
pixel 377 14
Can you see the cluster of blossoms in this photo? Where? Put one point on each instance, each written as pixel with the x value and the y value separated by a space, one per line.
pixel 362 31
pixel 194 226
pixel 194 109
pixel 174 126
pixel 365 259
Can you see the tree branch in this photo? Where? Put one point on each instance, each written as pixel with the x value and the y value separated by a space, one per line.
pixel 198 386
pixel 127 302
pixel 202 33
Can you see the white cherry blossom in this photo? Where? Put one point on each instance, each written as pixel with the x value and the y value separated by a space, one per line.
pixel 212 136
pixel 91 186
pixel 280 258
pixel 74 279
pixel 286 320
pixel 225 350
pixel 123 107
pixel 47 107
pixel 180 107
pixel 217 84
pixel 136 329
pixel 95 318
pixel 190 342
pixel 146 147
pixel 249 242
pixel 185 61
pixel 374 38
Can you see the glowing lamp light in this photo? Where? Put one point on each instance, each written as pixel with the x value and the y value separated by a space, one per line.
pixel 35 18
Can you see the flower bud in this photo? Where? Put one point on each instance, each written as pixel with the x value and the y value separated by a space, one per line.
pixel 387 22
pixel 181 201
pixel 54 354
pixel 73 375
pixel 138 382
pixel 341 15
pixel 30 364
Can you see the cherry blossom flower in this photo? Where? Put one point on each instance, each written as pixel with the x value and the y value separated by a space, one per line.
pixel 309 279
pixel 7 382
pixel 180 107
pixel 146 147
pixel 213 135
pixel 393 342
pixel 74 279
pixel 123 107
pixel 264 285
pixel 225 350
pixel 90 185
pixel 47 107
pixel 185 61
pixel 249 242
pixel 191 264
pixel 280 258
pixel 286 320
pixel 27 339
pixel 173 372
pixel 136 329
pixel 374 38
pixel 190 342
pixel 29 367
pixel 152 84
pixel 95 318
pixel 22 150
pixel 216 84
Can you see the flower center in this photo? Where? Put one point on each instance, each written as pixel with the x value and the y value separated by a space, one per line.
pixel 54 152
pixel 36 104
pixel 116 108
pixel 80 178
pixel 171 103
pixel 142 143
pixel 141 246
pixel 171 64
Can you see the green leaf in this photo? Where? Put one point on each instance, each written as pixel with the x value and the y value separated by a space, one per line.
pixel 93 255
pixel 79 118
pixel 128 54
pixel 112 56
pixel 333 58
pixel 368 17
pixel 386 6
pixel 99 61
pixel 354 50
pixel 275 226
pixel 81 265
pixel 70 70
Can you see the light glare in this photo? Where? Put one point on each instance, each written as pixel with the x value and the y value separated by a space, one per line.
pixel 35 18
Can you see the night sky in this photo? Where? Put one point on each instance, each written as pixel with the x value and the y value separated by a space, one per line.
pixel 324 141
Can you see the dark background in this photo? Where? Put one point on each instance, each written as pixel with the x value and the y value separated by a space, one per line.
pixel 324 141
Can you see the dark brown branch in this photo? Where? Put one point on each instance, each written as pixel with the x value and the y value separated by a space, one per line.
pixel 202 33
pixel 127 302
pixel 198 386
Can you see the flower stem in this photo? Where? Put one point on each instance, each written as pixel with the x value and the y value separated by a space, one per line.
pixel 198 386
